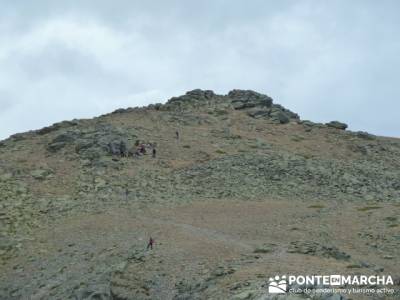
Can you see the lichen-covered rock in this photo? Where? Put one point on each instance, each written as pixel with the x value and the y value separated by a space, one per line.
pixel 337 125
pixel 365 135
pixel 242 99
pixel 93 143
pixel 192 97
pixel 258 113
pixel 41 174
pixel 279 117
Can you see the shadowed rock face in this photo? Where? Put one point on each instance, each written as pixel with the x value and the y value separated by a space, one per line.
pixel 240 189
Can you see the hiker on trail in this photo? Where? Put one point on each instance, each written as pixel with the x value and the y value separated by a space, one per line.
pixel 142 149
pixel 122 148
pixel 177 135
pixel 154 152
pixel 150 244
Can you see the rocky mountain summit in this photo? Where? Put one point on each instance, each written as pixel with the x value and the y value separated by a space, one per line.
pixel 238 188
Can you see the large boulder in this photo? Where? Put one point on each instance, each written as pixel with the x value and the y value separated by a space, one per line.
pixel 200 94
pixel 258 113
pixel 365 135
pixel 41 174
pixel 258 106
pixel 287 112
pixel 337 125
pixel 62 140
pixel 280 117
pixel 191 100
pixel 194 95
pixel 94 142
pixel 275 113
pixel 242 99
pixel 117 147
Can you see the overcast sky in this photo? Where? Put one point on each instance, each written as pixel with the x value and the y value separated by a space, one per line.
pixel 326 60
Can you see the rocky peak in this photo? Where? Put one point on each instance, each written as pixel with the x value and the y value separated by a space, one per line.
pixel 240 98
pixel 194 95
pixel 247 98
pixel 255 104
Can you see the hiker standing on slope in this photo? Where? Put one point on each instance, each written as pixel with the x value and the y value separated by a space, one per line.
pixel 142 149
pixel 150 244
pixel 122 149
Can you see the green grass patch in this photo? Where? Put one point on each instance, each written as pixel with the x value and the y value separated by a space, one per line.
pixel 235 137
pixel 317 206
pixel 353 266
pixel 297 138
pixel 262 250
pixel 220 112
pixel 368 208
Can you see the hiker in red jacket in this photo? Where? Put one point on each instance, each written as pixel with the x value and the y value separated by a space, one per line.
pixel 150 244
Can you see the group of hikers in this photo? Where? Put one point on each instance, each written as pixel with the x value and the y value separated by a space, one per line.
pixel 141 149
pixel 138 150
pixel 120 149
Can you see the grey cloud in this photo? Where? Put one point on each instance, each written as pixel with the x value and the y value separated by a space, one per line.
pixel 6 101
pixel 336 60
